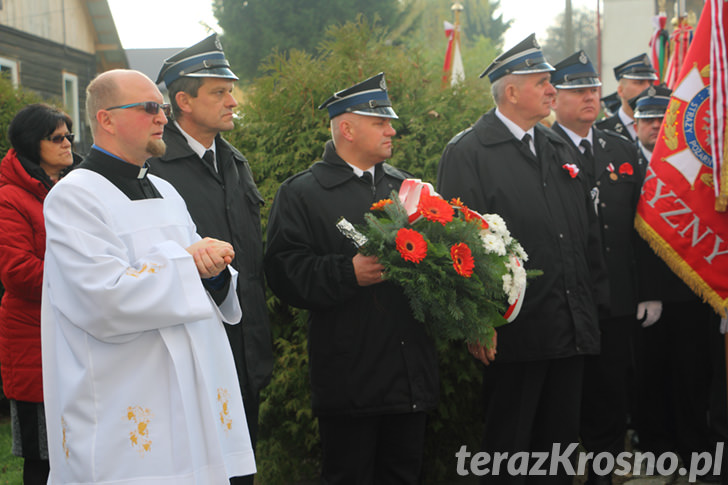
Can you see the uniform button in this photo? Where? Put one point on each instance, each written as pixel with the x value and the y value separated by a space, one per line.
pixel 568 291
pixel 606 226
pixel 608 249
pixel 578 349
pixel 414 406
pixel 561 236
pixel 599 182
pixel 603 204
pixel 402 342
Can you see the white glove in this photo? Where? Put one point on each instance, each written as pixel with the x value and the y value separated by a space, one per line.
pixel 723 325
pixel 653 309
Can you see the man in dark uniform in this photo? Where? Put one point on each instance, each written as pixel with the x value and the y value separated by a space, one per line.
pixel 217 184
pixel 633 77
pixel 674 397
pixel 373 368
pixel 613 162
pixel 653 103
pixel 509 164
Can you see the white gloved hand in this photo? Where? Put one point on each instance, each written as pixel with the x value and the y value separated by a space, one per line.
pixel 653 310
pixel 723 325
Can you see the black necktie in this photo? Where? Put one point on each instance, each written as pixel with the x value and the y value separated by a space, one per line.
pixel 588 154
pixel 586 146
pixel 209 157
pixel 367 177
pixel 526 140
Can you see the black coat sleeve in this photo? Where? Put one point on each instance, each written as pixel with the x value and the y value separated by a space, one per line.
pixel 299 268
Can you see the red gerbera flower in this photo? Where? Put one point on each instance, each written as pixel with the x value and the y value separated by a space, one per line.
pixel 411 245
pixel 435 209
pixel 377 206
pixel 462 259
pixel 626 169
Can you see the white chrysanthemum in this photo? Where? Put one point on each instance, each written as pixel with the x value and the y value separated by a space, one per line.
pixel 507 285
pixel 518 280
pixel 520 252
pixel 497 224
pixel 493 243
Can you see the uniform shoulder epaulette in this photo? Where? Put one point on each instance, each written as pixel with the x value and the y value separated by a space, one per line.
pixel 395 172
pixel 614 133
pixel 457 137
pixel 300 174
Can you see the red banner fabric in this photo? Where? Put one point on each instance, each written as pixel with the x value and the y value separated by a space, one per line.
pixel 677 210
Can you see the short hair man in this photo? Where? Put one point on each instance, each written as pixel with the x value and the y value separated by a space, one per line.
pixel 373 367
pixel 633 77
pixel 649 111
pixel 612 160
pixel 139 383
pixel 216 182
pixel 507 163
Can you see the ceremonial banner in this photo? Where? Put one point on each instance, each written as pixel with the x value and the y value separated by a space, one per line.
pixel 453 71
pixel 680 40
pixel 660 46
pixel 677 212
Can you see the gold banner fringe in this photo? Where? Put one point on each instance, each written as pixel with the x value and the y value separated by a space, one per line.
pixel 680 267
pixel 721 202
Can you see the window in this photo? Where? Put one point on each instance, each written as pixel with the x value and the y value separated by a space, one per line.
pixel 70 101
pixel 9 68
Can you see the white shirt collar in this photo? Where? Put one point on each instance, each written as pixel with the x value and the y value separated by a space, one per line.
pixel 576 139
pixel 517 131
pixel 627 122
pixel 359 172
pixel 195 145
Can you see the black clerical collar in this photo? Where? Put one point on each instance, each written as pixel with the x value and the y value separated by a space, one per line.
pixel 131 179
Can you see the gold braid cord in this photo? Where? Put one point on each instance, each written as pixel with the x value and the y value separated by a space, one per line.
pixel 680 267
pixel 721 203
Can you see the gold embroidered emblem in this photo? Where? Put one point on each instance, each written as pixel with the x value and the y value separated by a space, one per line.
pixel 64 428
pixel 670 124
pixel 223 399
pixel 146 268
pixel 139 436
pixel 707 179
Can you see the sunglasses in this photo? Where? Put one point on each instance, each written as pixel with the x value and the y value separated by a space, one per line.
pixel 58 139
pixel 151 107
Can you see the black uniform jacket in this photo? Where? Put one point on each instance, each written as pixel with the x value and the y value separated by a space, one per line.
pixel 552 216
pixel 226 206
pixel 619 190
pixel 368 355
pixel 614 123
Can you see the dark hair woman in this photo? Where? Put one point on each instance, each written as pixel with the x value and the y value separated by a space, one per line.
pixel 42 140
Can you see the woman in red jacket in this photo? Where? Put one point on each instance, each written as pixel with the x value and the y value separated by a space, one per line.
pixel 42 140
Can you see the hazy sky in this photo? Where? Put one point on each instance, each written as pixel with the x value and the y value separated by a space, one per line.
pixel 181 23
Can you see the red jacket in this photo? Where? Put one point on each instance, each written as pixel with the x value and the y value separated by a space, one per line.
pixel 22 250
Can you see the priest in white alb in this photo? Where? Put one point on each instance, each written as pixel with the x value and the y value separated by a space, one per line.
pixel 139 381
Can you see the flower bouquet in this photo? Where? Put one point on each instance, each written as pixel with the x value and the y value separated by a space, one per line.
pixel 462 271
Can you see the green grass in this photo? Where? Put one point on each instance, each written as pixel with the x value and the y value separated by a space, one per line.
pixel 11 467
